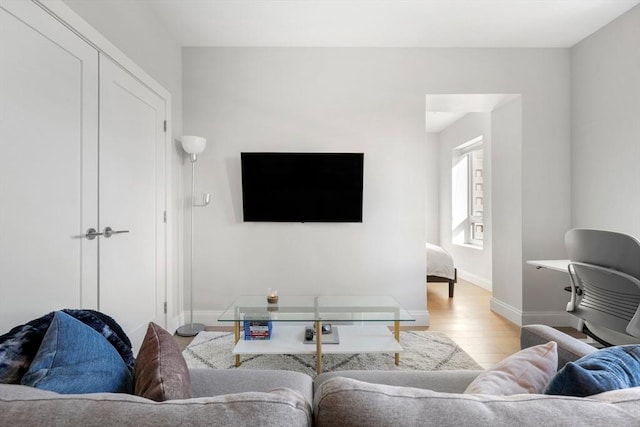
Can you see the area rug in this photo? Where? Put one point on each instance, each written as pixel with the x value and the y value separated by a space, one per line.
pixel 423 351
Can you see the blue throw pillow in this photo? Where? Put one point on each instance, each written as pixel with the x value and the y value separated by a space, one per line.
pixel 73 358
pixel 109 329
pixel 611 368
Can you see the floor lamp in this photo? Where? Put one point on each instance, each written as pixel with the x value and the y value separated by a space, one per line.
pixel 193 145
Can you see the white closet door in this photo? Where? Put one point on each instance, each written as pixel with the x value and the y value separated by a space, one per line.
pixel 132 198
pixel 48 164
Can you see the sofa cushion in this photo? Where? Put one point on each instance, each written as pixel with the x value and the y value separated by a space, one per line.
pixel 611 368
pixel 74 358
pixel 19 346
pixel 25 406
pixel 345 401
pixel 161 372
pixel 444 381
pixel 527 371
pixel 215 382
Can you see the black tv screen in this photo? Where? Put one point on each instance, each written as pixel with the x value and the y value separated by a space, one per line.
pixel 302 187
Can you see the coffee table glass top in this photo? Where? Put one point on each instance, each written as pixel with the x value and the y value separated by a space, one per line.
pixel 318 308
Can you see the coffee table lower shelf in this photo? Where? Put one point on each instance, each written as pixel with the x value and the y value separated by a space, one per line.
pixel 288 339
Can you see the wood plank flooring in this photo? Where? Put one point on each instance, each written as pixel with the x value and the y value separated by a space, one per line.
pixel 467 319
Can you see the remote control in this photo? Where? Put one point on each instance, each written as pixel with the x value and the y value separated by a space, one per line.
pixel 308 334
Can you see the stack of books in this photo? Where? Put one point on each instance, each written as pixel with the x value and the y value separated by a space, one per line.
pixel 257 327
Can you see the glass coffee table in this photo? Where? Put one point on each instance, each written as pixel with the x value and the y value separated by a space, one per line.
pixel 361 321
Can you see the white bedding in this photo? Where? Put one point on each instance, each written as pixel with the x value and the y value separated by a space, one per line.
pixel 439 262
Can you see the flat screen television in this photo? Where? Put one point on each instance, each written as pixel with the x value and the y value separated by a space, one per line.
pixel 302 187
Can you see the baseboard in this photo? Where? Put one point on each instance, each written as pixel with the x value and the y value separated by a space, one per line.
pixel 210 318
pixel 519 317
pixel 476 280
pixel 505 310
pixel 549 318
pixel 207 317
pixel 421 316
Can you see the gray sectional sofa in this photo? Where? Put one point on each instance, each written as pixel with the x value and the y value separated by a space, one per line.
pixel 367 398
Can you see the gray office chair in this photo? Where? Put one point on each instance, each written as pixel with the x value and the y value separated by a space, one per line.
pixel 605 284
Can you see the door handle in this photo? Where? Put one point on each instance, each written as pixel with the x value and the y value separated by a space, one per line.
pixel 92 234
pixel 108 232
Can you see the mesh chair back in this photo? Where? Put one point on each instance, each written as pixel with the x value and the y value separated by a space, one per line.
pixel 606 267
pixel 610 298
pixel 605 248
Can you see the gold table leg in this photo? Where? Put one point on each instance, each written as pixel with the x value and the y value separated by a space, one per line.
pixel 396 332
pixel 237 337
pixel 318 347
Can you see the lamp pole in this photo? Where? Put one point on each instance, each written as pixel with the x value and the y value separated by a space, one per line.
pixel 191 329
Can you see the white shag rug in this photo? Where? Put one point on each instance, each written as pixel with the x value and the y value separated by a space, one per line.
pixel 423 351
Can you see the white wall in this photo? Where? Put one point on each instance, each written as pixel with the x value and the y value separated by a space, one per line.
pixel 369 100
pixel 507 201
pixel 605 150
pixel 132 27
pixel 472 263
pixel 432 207
pixel 307 100
pixel 603 171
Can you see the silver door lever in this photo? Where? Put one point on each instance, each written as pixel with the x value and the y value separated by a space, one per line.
pixel 108 232
pixel 92 234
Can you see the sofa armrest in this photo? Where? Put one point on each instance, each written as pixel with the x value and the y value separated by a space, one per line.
pixel 570 349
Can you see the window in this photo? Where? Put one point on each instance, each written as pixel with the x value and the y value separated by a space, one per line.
pixel 468 193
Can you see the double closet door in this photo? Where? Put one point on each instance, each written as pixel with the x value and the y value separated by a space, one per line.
pixel 82 178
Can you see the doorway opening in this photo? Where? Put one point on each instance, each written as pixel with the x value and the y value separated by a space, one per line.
pixel 466 143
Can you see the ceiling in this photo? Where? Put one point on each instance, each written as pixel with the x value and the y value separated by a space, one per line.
pixel 385 23
pixel 445 109
pixel 391 23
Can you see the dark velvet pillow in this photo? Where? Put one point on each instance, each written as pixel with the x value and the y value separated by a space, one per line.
pixel 608 369
pixel 19 346
pixel 161 372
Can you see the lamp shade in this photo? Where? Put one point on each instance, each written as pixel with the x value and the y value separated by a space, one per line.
pixel 193 144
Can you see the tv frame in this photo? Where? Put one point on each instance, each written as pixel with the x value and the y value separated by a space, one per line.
pixel 355 216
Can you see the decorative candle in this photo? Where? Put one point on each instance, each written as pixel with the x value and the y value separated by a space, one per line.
pixel 272 296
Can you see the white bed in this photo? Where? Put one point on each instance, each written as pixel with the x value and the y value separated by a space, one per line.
pixel 440 267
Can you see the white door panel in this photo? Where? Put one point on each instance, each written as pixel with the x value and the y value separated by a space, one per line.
pixel 54 97
pixel 48 166
pixel 132 188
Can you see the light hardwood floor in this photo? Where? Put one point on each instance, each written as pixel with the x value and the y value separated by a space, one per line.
pixel 467 319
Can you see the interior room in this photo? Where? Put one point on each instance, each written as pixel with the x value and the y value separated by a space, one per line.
pixel 485 128
pixel 349 99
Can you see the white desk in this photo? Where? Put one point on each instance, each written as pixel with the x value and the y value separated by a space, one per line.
pixel 561 265
pixel 552 264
